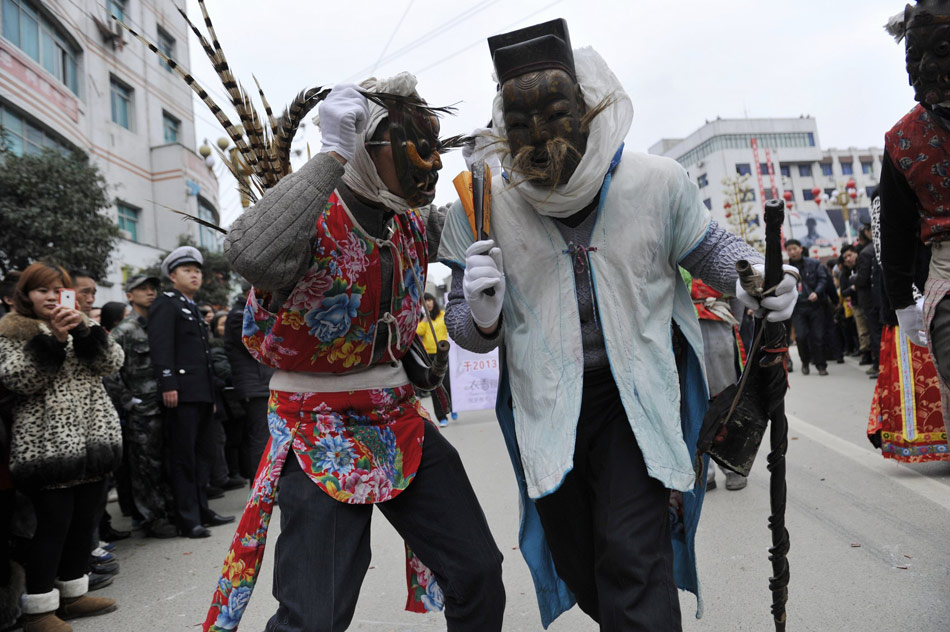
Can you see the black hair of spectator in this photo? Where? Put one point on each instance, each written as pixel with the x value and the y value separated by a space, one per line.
pixel 845 248
pixel 214 323
pixel 436 308
pixel 74 274
pixel 112 314
pixel 8 287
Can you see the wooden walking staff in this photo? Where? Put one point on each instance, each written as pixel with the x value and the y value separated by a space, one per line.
pixel 773 382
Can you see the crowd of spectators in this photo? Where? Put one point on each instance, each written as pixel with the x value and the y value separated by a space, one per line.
pixel 93 411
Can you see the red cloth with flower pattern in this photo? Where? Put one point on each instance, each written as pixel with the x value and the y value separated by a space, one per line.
pixel 358 446
pixel 329 321
pixel 906 407
pixel 920 149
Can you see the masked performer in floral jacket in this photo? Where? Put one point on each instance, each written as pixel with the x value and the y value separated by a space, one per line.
pixel 586 294
pixel 337 254
pixel 915 187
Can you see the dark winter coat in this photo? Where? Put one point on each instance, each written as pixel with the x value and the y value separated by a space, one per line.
pixel 250 377
pixel 815 278
pixel 65 428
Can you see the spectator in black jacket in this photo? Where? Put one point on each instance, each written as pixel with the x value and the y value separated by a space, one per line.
pixel 251 381
pixel 861 280
pixel 809 315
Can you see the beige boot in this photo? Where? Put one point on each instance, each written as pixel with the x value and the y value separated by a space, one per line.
pixel 76 601
pixel 39 613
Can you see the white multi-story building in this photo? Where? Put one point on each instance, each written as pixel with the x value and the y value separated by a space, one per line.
pixel 781 158
pixel 69 77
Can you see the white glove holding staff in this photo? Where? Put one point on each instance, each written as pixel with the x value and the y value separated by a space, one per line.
pixel 343 116
pixel 483 271
pixel 911 322
pixel 775 308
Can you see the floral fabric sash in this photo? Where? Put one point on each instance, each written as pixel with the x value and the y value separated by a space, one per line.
pixel 359 447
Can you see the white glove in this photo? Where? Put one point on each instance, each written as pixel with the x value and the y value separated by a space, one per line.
pixel 484 270
pixel 343 116
pixel 775 308
pixel 911 322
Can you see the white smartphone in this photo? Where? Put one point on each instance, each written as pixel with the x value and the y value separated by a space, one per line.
pixel 67 297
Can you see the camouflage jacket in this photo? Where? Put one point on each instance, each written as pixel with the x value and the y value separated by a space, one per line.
pixel 137 376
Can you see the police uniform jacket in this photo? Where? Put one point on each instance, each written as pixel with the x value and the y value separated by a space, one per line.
pixel 178 346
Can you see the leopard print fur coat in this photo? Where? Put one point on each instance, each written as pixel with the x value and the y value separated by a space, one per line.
pixel 65 428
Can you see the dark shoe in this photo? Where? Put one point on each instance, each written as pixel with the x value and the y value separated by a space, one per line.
pixel 85 606
pixel 231 482
pixel 865 359
pixel 822 371
pixel 111 535
pixel 839 361
pixel 711 481
pixel 196 531
pixel 854 354
pixel 805 369
pixel 872 369
pixel 161 529
pixel 97 580
pixel 106 546
pixel 104 568
pixel 101 556
pixel 214 492
pixel 213 519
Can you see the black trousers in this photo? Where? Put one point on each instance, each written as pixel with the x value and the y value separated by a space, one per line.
pixel 65 521
pixel 323 550
pixel 608 523
pixel 256 436
pixel 940 338
pixel 809 323
pixel 190 445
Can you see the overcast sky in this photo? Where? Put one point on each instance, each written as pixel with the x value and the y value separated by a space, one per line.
pixel 682 63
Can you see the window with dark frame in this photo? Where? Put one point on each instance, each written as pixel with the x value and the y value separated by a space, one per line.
pixel 30 31
pixel 826 169
pixel 23 136
pixel 744 169
pixel 171 127
pixel 804 170
pixel 166 44
pixel 128 220
pixel 117 8
pixel 121 101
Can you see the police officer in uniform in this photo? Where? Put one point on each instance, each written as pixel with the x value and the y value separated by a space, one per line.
pixel 181 359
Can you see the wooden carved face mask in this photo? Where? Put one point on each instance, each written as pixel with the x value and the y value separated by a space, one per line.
pixel 546 135
pixel 414 137
pixel 928 51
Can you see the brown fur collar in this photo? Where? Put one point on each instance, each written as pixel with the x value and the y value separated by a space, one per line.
pixel 19 327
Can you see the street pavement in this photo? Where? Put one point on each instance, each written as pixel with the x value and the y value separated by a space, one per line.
pixel 870 540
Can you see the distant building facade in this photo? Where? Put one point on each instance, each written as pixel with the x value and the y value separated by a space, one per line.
pixel 69 78
pixel 724 149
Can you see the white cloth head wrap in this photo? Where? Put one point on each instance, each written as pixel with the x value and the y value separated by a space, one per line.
pixel 360 173
pixel 607 131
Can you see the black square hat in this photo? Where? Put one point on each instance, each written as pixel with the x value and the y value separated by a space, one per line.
pixel 533 48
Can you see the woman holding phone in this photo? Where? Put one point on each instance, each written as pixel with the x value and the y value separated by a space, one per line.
pixel 65 439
